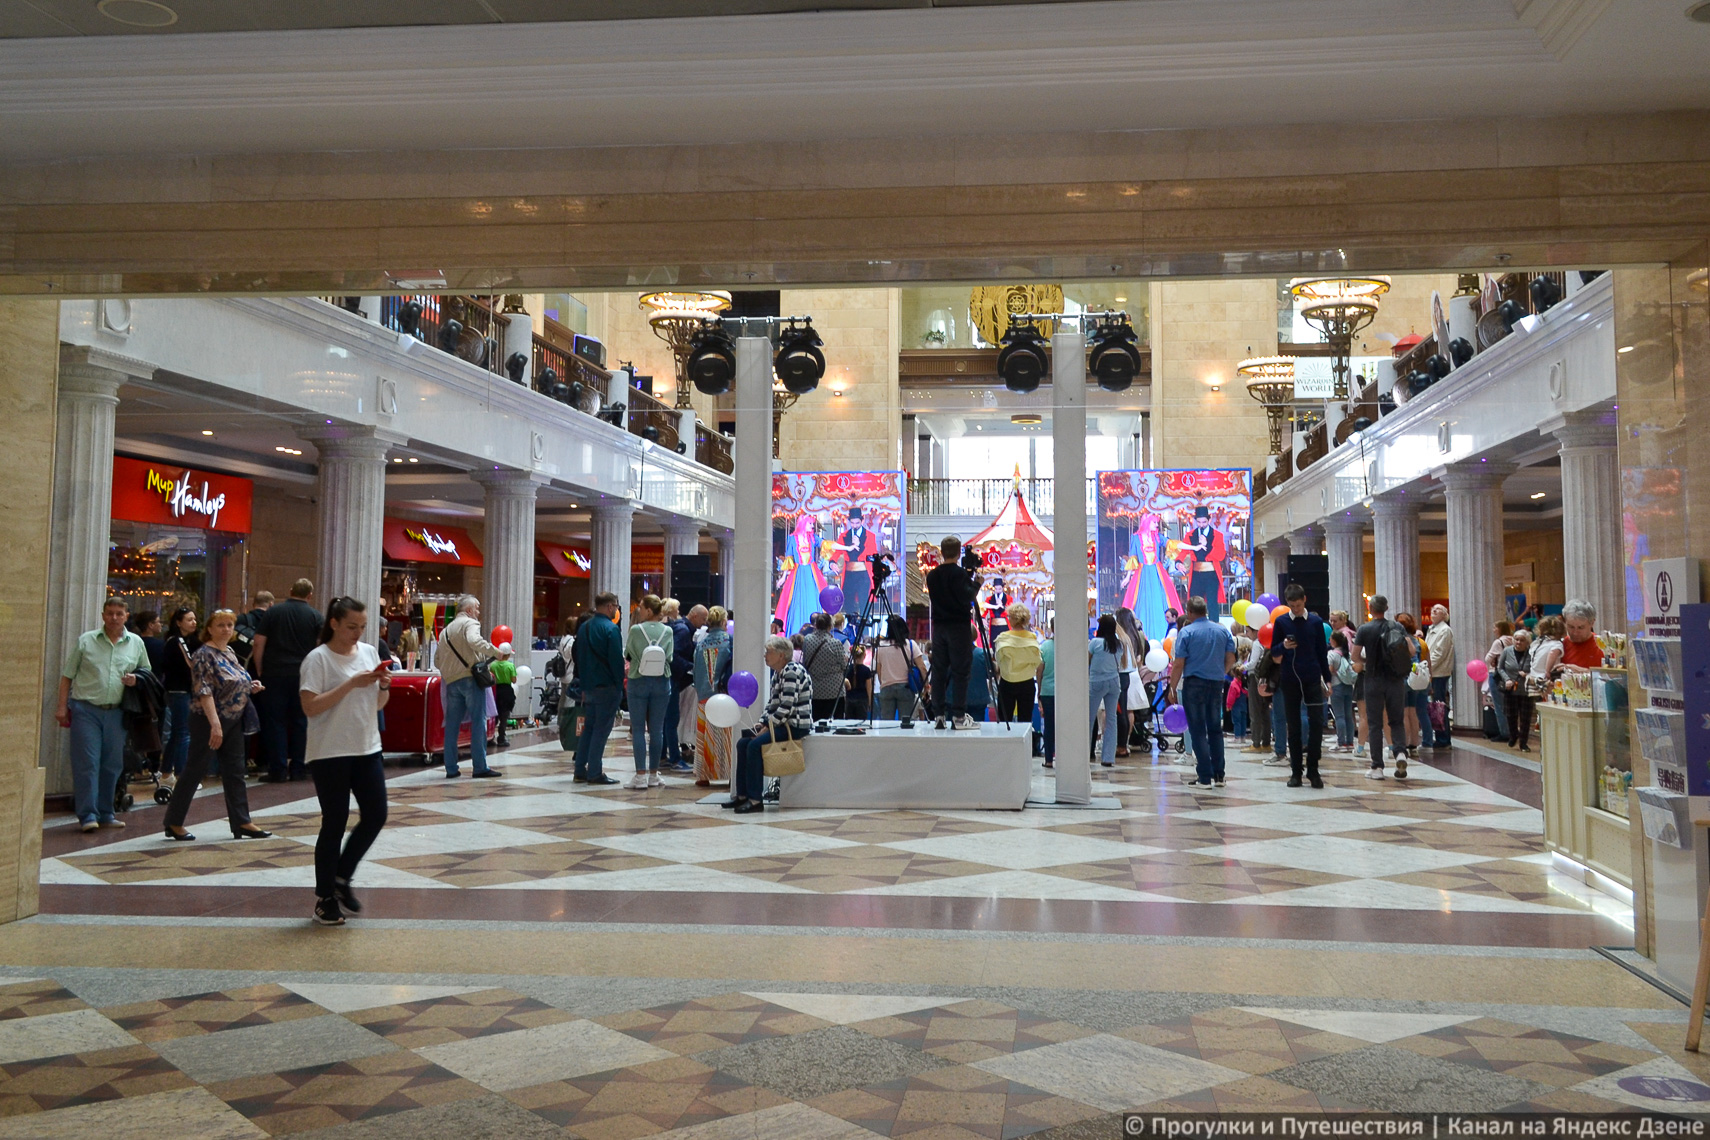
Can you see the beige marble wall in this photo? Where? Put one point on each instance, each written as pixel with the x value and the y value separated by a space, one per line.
pixel 1200 331
pixel 29 368
pixel 859 430
pixel 618 321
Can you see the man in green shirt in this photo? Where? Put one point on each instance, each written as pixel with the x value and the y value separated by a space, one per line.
pixel 104 663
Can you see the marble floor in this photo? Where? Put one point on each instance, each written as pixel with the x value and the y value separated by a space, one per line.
pixel 537 957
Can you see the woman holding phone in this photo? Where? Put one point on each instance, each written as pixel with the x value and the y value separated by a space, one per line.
pixel 343 686
pixel 221 715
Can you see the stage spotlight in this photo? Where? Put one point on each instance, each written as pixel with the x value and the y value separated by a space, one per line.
pixel 712 359
pixel 613 414
pixel 1545 293
pixel 1113 360
pixel 514 365
pixel 547 383
pixel 449 334
pixel 650 434
pixel 1510 312
pixel 1021 358
pixel 1362 423
pixel 1437 366
pixel 1460 350
pixel 410 317
pixel 798 362
pixel 682 448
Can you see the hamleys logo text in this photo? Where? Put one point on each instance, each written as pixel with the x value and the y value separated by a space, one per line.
pixel 433 542
pixel 181 500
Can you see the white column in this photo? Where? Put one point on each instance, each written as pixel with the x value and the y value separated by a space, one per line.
pixel 82 529
pixel 682 536
pixel 519 337
pixel 749 589
pixel 351 510
pixel 1591 514
pixel 613 535
pixel 507 580
pixel 371 308
pixel 727 565
pixel 1276 564
pixel 1069 568
pixel 1474 498
pixel 1344 540
pixel 1395 543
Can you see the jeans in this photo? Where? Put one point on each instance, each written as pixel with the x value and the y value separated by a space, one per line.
pixel 599 713
pixel 1106 692
pixel 895 702
pixel 1238 718
pixel 1015 701
pixel 465 701
pixel 230 755
pixel 1304 742
pixel 1279 724
pixel 1048 725
pixel 1439 692
pixel 1419 700
pixel 337 779
pixel 1498 705
pixel 1259 716
pixel 650 699
pixel 1386 695
pixel 97 759
pixel 1342 700
pixel 952 660
pixel 672 752
pixel 284 728
pixel 1520 706
pixel 1202 700
pixel 750 779
pixel 175 734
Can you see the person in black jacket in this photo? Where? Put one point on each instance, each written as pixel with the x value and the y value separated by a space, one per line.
pixel 1302 652
pixel 952 590
pixel 175 675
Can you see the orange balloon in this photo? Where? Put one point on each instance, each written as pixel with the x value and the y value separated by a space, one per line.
pixel 1278 612
pixel 1170 646
pixel 1266 634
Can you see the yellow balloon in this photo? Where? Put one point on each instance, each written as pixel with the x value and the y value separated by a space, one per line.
pixel 1238 611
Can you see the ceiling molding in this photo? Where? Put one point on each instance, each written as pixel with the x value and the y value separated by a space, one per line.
pixel 1560 23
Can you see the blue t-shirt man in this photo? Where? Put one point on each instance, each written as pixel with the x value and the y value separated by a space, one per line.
pixel 1204 650
pixel 1203 646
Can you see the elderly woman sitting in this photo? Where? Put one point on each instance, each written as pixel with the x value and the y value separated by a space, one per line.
pixel 789 713
pixel 1580 651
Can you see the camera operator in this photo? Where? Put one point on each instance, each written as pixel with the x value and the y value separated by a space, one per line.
pixel 952 586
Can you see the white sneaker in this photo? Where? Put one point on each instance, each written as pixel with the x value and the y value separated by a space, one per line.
pixel 654 780
pixel 965 723
pixel 1360 751
pixel 637 782
pixel 1400 768
pixel 1275 761
pixel 1374 773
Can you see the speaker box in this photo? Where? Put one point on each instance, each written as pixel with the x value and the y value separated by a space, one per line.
pixel 690 580
pixel 1311 571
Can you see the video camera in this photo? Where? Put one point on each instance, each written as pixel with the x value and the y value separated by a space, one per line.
pixel 971 560
pixel 880 568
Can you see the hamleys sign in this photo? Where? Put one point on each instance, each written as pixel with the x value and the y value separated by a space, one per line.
pixel 150 492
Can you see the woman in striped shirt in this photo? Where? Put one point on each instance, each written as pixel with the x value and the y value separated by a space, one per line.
pixel 790 704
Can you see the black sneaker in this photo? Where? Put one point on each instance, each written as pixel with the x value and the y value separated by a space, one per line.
pixel 490 774
pixel 327 913
pixel 601 780
pixel 346 900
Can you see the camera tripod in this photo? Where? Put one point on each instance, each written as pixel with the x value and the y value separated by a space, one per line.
pixel 985 641
pixel 878 604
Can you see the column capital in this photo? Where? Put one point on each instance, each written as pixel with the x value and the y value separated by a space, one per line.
pixel 96 373
pixel 1474 475
pixel 1346 522
pixel 682 527
pixel 1576 430
pixel 508 482
pixel 1399 505
pixel 341 441
pixel 615 510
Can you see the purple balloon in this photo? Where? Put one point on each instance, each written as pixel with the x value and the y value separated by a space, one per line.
pixel 831 599
pixel 744 689
pixel 1175 719
pixel 1269 601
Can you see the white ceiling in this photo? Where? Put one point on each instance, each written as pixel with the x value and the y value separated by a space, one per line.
pixel 1112 65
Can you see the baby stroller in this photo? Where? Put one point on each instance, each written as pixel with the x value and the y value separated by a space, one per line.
pixel 1152 727
pixel 551 693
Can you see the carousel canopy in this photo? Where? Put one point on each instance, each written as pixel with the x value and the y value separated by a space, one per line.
pixel 1015 523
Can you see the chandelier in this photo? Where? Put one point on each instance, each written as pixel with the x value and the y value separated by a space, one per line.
pixel 1339 307
pixel 676 317
pixel 1270 380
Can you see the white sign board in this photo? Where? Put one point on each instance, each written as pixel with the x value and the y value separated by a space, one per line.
pixel 1669 584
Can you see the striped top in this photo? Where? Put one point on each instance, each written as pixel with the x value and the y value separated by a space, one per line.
pixel 791 700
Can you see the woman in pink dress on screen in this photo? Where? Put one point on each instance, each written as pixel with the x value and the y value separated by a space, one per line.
pixel 799 598
pixel 1148 590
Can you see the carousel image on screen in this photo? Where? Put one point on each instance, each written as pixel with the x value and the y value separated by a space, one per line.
pixel 1167 536
pixel 838 529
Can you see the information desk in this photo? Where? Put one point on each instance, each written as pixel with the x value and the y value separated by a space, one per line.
pixel 919 767
pixel 1571 756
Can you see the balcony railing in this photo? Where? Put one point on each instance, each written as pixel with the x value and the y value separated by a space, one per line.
pixel 650 412
pixel 712 449
pixel 981 496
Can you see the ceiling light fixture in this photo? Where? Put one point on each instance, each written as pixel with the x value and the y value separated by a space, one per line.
pixel 1270 380
pixel 1700 12
pixel 711 359
pixel 1027 418
pixel 677 317
pixel 1629 348
pixel 798 362
pixel 1338 307
pixel 138 13
pixel 1021 358
pixel 413 459
pixel 1538 495
pixel 205 431
pixel 1112 357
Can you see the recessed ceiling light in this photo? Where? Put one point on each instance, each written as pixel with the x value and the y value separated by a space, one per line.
pixel 206 431
pixel 413 459
pixel 138 13
pixel 1027 418
pixel 396 460
pixel 1538 495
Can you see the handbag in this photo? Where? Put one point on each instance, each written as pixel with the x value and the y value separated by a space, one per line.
pixel 481 670
pixel 783 757
pixel 1419 679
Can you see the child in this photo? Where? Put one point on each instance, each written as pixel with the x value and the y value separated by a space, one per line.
pixel 504 697
pixel 859 683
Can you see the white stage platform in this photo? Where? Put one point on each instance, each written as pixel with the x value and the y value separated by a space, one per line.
pixel 893 768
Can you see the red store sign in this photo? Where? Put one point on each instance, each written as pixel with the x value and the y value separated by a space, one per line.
pixel 567 561
pixel 161 493
pixel 429 542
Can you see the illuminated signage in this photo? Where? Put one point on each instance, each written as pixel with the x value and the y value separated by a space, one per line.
pixel 417 542
pixel 149 492
pixel 435 543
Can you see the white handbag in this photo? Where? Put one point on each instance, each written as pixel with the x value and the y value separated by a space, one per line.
pixel 1420 678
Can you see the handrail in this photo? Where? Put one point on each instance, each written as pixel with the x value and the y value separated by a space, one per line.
pixel 981 496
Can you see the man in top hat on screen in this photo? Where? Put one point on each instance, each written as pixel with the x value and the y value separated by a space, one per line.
pixel 1203 555
pixel 860 543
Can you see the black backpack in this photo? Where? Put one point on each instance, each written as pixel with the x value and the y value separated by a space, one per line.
pixel 1397 651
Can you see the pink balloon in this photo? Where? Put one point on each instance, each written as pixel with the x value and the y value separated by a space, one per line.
pixel 1478 671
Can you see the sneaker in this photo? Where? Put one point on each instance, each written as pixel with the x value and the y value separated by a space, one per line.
pixel 327 913
pixel 965 723
pixel 1294 781
pixel 1360 751
pixel 113 824
pixel 1413 753
pixel 89 825
pixel 654 780
pixel 637 782
pixel 1374 773
pixel 1257 749
pixel 1275 761
pixel 940 725
pixel 343 896
pixel 490 774
pixel 1195 782
pixel 1219 783
pixel 599 780
pixel 1400 768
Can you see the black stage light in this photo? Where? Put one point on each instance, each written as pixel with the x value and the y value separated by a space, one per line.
pixel 576 392
pixel 650 434
pixel 410 317
pixel 514 365
pixel 1460 350
pixel 1362 423
pixel 1437 366
pixel 449 334
pixel 1113 358
pixel 1545 293
pixel 682 448
pixel 613 414
pixel 1417 382
pixel 798 362
pixel 712 359
pixel 1021 358
pixel 546 381
pixel 1510 312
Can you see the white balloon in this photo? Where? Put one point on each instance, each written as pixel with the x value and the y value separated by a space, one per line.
pixel 504 647
pixel 1257 616
pixel 1157 660
pixel 723 711
pixel 525 675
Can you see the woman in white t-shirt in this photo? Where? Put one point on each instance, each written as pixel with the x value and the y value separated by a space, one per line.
pixel 343 687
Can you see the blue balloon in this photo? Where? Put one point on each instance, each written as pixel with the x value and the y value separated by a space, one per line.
pixel 831 599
